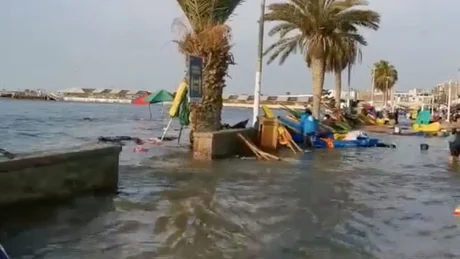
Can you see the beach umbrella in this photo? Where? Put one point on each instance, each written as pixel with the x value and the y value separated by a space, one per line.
pixel 158 97
pixel 140 100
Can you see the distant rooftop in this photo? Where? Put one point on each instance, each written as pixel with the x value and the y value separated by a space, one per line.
pixel 102 91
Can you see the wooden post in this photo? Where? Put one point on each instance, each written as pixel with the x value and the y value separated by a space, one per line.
pixel 150 111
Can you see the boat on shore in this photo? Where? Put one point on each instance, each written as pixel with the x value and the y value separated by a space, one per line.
pixel 336 138
pixel 328 140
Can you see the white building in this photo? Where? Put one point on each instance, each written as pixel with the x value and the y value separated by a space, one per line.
pixel 415 95
pixel 344 94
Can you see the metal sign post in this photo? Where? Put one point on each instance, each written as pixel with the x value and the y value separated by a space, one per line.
pixel 195 82
pixel 449 101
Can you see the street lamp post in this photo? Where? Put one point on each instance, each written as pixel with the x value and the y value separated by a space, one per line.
pixel 260 50
pixel 457 84
pixel 386 93
pixel 349 88
pixel 392 102
pixel 373 86
pixel 449 100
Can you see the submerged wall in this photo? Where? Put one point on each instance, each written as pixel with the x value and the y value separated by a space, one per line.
pixel 60 174
pixel 221 144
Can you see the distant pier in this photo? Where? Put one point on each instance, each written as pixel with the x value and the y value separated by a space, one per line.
pixel 241 101
pixel 26 95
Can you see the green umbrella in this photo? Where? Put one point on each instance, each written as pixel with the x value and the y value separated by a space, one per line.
pixel 158 97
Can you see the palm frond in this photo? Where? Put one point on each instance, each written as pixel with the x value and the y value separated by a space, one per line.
pixel 362 18
pixel 282 29
pixel 345 53
pixel 282 48
pixel 205 13
pixel 385 73
pixel 320 28
pixel 287 13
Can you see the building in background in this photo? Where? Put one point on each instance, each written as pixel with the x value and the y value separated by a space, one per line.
pixel 105 95
pixel 102 93
pixel 344 94
pixel 441 92
pixel 413 97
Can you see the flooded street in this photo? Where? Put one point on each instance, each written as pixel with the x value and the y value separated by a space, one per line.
pixel 347 203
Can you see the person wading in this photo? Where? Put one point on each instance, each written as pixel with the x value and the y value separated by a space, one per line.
pixel 454 145
pixel 309 127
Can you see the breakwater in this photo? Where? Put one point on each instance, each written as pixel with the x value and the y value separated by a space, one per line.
pixel 28 96
pixel 241 101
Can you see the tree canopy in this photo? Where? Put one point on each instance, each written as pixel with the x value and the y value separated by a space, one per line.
pixel 316 27
pixel 385 75
pixel 206 31
pixel 325 32
pixel 203 14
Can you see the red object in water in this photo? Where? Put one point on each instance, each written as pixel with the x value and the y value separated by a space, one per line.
pixel 457 211
pixel 140 149
pixel 141 100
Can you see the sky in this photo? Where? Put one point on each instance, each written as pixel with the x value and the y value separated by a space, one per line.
pixel 127 44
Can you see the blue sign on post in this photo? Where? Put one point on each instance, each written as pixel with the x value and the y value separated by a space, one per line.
pixel 195 84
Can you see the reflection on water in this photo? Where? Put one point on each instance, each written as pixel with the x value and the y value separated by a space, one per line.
pixel 350 203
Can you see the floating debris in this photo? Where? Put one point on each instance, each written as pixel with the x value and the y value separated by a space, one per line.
pixel 457 211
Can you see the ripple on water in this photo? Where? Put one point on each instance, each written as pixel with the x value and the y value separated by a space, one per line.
pixel 349 203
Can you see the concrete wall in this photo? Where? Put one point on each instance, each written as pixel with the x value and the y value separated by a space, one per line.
pixel 60 174
pixel 221 144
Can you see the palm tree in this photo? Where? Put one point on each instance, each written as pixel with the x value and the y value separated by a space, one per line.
pixel 345 54
pixel 385 78
pixel 209 37
pixel 315 28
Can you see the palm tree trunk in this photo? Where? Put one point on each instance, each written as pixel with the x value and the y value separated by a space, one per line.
pixel 205 116
pixel 392 98
pixel 338 88
pixel 388 97
pixel 317 71
pixel 385 95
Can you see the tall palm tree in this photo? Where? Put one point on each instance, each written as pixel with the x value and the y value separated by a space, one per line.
pixel 209 37
pixel 385 78
pixel 345 54
pixel 315 28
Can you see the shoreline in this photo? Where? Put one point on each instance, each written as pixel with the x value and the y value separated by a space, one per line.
pixel 128 102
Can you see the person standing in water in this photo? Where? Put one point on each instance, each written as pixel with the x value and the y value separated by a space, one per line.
pixel 396 115
pixel 454 145
pixel 309 127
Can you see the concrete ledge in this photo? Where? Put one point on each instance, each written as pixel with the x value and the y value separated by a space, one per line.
pixel 59 174
pixel 221 144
